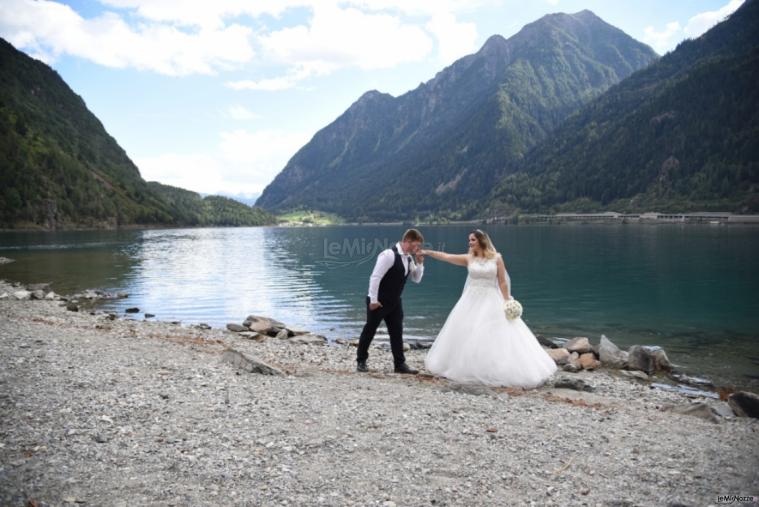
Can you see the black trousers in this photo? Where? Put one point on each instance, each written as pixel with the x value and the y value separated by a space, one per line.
pixel 393 317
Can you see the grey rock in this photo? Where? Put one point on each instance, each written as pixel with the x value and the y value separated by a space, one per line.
pixel 697 409
pixel 22 295
pixel 72 307
pixel 252 335
pixel 744 404
pixel 249 364
pixel 640 375
pixel 661 361
pixel 579 344
pixel 639 358
pixel 38 286
pixel 51 296
pixel 263 324
pixel 610 355
pixel 283 334
pixel 134 309
pixel 723 409
pixel 577 384
pixel 149 315
pixel 236 328
pixel 4 295
pixel 546 342
pixel 308 339
pixel 5 260
pixel 649 359
pixel 571 367
pixel 38 294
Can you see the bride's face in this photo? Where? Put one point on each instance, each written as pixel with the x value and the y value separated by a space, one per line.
pixel 473 243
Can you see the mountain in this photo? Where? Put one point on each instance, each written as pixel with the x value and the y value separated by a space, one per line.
pixel 682 134
pixel 442 146
pixel 60 168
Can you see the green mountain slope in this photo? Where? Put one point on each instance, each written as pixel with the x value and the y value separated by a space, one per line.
pixel 60 168
pixel 683 134
pixel 441 147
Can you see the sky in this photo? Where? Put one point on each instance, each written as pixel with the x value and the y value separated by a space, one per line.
pixel 216 96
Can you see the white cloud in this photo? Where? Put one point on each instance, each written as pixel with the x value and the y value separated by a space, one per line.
pixel 241 113
pixel 204 13
pixel 455 39
pixel 337 38
pixel 702 22
pixel 552 2
pixel 244 163
pixel 50 29
pixel 182 37
pixel 666 39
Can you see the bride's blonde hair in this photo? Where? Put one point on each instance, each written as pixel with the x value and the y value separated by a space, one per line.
pixel 488 250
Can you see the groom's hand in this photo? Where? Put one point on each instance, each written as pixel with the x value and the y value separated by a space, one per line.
pixel 374 306
pixel 420 257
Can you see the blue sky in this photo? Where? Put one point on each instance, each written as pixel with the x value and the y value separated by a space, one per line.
pixel 216 95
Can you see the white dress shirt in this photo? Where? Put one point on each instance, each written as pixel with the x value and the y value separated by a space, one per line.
pixel 385 261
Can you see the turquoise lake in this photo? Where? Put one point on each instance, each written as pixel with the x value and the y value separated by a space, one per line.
pixel 691 289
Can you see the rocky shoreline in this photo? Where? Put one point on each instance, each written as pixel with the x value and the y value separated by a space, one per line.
pixel 97 409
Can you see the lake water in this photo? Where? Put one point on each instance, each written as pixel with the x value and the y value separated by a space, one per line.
pixel 691 289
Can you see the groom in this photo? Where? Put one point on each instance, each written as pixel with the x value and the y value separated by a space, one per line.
pixel 393 267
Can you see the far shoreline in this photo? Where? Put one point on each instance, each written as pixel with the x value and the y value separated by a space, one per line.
pixel 711 218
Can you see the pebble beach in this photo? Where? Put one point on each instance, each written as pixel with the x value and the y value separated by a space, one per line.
pixel 96 410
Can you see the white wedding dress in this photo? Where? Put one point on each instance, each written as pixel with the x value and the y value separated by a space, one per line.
pixel 478 344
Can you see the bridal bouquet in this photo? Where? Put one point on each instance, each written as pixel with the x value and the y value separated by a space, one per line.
pixel 513 309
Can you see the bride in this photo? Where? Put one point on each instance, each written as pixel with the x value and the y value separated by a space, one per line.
pixel 477 343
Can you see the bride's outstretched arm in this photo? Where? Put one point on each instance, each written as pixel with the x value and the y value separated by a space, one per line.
pixel 502 278
pixel 459 260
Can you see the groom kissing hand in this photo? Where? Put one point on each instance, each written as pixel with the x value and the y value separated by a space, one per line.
pixel 394 265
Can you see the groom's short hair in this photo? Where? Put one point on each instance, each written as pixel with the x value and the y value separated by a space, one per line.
pixel 413 235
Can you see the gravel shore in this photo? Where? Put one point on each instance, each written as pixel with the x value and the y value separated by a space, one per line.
pixel 96 411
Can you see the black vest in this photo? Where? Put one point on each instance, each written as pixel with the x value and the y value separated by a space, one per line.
pixel 392 283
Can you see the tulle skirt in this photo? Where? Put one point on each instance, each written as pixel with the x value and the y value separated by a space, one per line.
pixel 478 344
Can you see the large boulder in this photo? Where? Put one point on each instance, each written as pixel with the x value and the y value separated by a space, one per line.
pixel 649 359
pixel 263 325
pixel 22 295
pixel 236 328
pixel 588 361
pixel 638 358
pixel 610 355
pixel 559 356
pixel 580 345
pixel 744 404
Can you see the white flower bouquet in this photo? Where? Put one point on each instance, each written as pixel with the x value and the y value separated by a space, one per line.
pixel 512 308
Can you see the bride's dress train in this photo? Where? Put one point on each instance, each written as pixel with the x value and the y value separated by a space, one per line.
pixel 478 344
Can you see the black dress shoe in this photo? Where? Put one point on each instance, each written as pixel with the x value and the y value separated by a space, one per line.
pixel 361 366
pixel 404 368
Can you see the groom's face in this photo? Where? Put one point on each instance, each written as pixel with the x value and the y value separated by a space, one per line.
pixel 411 247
